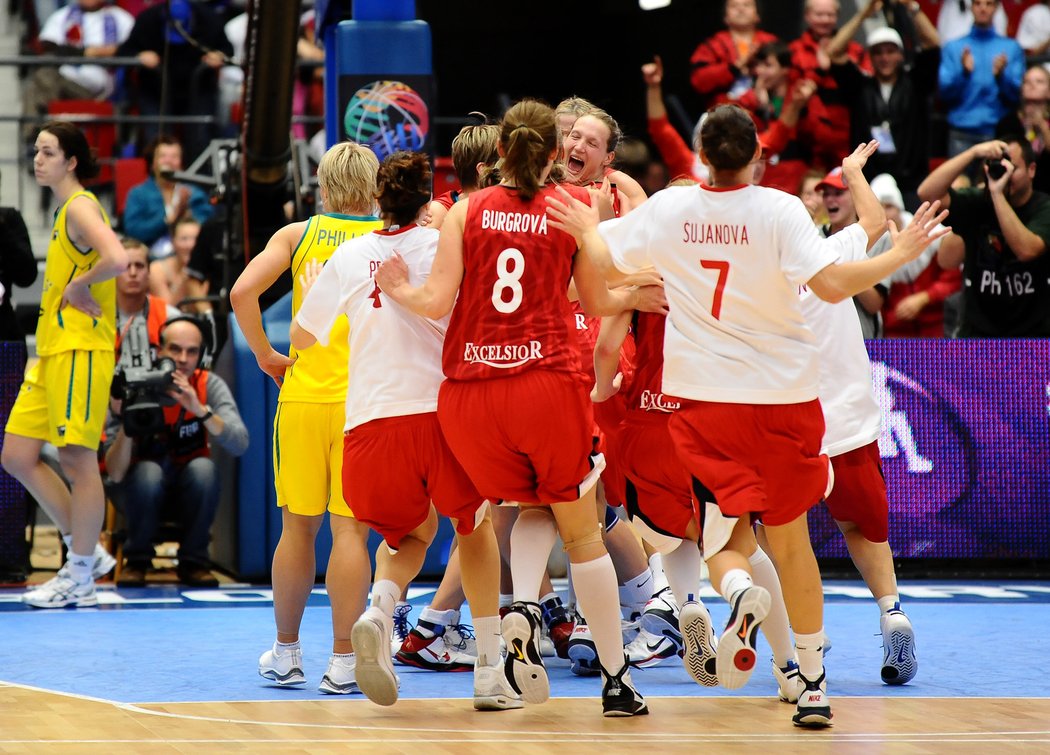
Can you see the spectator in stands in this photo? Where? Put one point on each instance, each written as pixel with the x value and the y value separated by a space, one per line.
pixel 17 268
pixel 157 203
pixel 721 64
pixel 807 192
pixel 1032 121
pixel 1005 228
pixel 956 18
pixel 825 127
pixel 135 300
pixel 172 469
pixel 892 105
pixel 87 28
pixel 1033 33
pixel 980 80
pixel 841 212
pixel 169 278
pixel 783 169
pixel 191 35
pixel 914 306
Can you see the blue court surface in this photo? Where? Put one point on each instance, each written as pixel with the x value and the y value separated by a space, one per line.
pixel 162 644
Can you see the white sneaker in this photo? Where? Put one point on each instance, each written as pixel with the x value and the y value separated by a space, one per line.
pixel 61 591
pixel 460 637
pixel 524 665
pixel 283 666
pixel 583 655
pixel 649 649
pixel 899 663
pixel 735 655
pixel 547 649
pixel 375 669
pixel 788 684
pixel 492 691
pixel 661 616
pixel 100 567
pixel 700 652
pixel 339 679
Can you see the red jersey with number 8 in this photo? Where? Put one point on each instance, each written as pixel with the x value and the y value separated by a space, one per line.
pixel 512 314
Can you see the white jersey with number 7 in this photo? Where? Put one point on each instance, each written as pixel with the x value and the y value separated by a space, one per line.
pixel 732 261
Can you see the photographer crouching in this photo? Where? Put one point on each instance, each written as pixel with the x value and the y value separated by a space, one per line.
pixel 164 414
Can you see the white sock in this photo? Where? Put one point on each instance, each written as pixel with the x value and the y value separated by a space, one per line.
pixel 597 599
pixel 776 628
pixel 487 634
pixel 656 566
pixel 887 602
pixel 68 540
pixel 734 581
pixel 531 541
pixel 505 600
pixel 810 650
pixel 348 656
pixel 80 567
pixel 385 594
pixel 283 648
pixel 439 618
pixel 682 567
pixel 636 593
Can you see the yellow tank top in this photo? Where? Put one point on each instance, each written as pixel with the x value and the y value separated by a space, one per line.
pixel 319 373
pixel 68 329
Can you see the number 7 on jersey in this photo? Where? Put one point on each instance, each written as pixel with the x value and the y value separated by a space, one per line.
pixel 723 274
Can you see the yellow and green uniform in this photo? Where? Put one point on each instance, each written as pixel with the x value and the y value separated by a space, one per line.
pixel 308 428
pixel 64 396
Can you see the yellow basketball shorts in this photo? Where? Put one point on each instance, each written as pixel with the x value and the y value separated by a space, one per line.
pixel 308 458
pixel 64 398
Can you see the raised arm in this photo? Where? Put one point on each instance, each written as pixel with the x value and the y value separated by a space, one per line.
pixel 839 43
pixel 838 282
pixel 870 213
pixel 935 186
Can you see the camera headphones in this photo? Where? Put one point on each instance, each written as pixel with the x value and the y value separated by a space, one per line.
pixel 204 358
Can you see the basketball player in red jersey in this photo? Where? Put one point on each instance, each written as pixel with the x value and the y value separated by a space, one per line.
pixel 513 407
pixel 473 149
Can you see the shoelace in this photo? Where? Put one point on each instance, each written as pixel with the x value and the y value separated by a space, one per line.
pixel 401 627
pixel 465 632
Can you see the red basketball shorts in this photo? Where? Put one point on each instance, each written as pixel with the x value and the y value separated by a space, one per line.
pixel 524 438
pixel 659 490
pixel 859 495
pixel 761 459
pixel 394 467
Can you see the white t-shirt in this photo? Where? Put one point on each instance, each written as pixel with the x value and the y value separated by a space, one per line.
pixel 395 355
pixel 852 416
pixel 1034 29
pixel 92 33
pixel 732 261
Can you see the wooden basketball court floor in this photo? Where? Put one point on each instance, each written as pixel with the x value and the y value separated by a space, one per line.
pixel 140 675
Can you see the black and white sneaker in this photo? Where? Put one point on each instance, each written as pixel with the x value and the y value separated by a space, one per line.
pixel 814 708
pixel 619 697
pixel 735 657
pixel 524 665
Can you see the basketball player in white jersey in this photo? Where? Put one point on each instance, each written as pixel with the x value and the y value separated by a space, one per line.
pixel 739 354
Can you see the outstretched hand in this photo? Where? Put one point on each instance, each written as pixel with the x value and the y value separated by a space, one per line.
pixel 392 274
pixel 859 158
pixel 569 214
pixel 921 232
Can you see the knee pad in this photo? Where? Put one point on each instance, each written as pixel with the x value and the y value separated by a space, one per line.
pixel 662 543
pixel 594 536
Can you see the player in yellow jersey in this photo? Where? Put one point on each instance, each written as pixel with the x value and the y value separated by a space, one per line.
pixel 64 396
pixel 308 429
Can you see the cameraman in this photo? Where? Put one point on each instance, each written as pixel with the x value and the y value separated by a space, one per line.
pixel 1005 228
pixel 173 466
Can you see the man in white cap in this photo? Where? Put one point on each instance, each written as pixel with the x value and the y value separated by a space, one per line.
pixel 891 105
